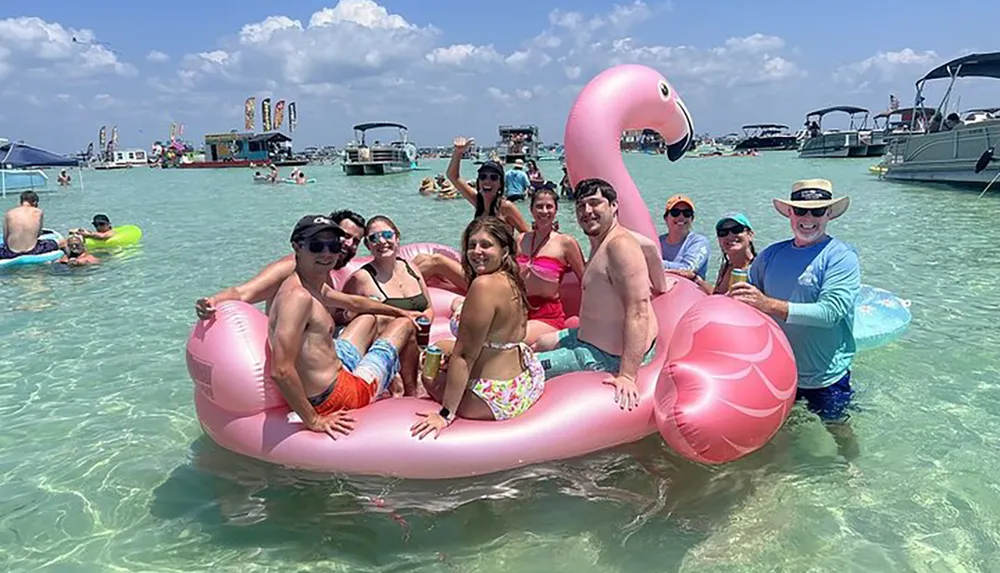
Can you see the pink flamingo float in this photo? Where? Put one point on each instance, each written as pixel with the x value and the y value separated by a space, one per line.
pixel 720 385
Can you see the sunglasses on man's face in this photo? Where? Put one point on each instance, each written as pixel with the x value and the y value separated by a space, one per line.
pixel 734 229
pixel 316 246
pixel 386 235
pixel 817 212
pixel 489 177
pixel 675 212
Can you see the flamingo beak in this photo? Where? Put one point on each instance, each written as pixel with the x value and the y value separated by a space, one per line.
pixel 677 149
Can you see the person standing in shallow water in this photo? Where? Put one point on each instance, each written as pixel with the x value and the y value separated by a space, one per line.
pixel 489 200
pixel 810 285
pixel 685 252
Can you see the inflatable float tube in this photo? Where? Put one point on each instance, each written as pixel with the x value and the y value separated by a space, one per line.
pixel 707 377
pixel 263 179
pixel 720 384
pixel 41 259
pixel 124 236
pixel 880 317
pixel 294 182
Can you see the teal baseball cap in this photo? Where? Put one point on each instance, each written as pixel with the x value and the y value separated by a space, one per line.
pixel 734 216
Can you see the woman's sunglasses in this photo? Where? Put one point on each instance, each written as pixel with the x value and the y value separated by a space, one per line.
pixel 678 212
pixel 734 229
pixel 386 235
pixel 316 246
pixel 817 212
pixel 489 177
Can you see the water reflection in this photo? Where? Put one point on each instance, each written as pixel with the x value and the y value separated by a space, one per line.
pixel 629 496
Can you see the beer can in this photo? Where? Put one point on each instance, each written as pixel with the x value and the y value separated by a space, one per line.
pixel 739 276
pixel 432 362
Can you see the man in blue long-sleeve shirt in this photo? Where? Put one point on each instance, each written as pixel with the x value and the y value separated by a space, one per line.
pixel 809 284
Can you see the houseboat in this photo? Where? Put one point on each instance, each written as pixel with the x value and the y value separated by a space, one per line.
pixel 234 149
pixel 833 142
pixel 518 142
pixel 377 158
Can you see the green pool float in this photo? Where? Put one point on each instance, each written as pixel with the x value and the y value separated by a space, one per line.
pixel 124 236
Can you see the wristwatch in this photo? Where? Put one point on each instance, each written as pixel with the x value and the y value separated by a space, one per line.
pixel 447 415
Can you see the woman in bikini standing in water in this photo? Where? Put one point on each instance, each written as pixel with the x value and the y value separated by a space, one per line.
pixel 545 257
pixel 488 198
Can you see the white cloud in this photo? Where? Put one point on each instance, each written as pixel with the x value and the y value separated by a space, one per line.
pixel 354 39
pixel 497 94
pixel 887 67
pixel 464 54
pixel 157 56
pixel 39 48
pixel 740 61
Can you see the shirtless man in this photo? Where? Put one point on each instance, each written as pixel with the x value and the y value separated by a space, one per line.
pixel 618 329
pixel 103 230
pixel 21 227
pixel 304 362
pixel 76 253
pixel 263 287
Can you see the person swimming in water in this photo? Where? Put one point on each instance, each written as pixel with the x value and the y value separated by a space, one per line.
pixel 76 252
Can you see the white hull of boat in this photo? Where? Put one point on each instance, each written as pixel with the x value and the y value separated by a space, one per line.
pixel 836 145
pixel 944 157
pixel 376 168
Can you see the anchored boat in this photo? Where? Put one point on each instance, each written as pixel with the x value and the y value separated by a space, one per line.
pixel 379 158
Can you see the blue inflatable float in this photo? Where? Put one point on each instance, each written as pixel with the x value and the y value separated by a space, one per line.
pixel 879 317
pixel 35 259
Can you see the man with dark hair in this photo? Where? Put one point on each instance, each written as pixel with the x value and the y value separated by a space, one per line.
pixel 308 367
pixel 21 227
pixel 262 287
pixel 617 332
pixel 354 225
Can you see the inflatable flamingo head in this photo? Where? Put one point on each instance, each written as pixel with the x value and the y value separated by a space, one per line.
pixel 618 99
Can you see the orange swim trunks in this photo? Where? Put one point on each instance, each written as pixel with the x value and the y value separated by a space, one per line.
pixel 348 392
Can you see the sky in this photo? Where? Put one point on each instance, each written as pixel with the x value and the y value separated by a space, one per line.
pixel 447 68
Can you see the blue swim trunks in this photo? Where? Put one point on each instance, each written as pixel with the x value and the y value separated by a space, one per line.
pixel 574 355
pixel 829 402
pixel 379 364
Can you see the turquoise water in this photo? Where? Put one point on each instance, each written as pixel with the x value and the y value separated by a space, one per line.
pixel 103 466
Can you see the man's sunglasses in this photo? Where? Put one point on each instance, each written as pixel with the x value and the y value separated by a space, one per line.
pixel 734 229
pixel 678 212
pixel 489 177
pixel 817 212
pixel 316 246
pixel 386 235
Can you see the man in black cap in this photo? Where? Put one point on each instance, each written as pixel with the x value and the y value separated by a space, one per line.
pixel 314 377
pixel 103 229
pixel 262 287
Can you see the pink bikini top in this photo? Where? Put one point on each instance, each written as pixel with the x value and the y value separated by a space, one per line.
pixel 549 269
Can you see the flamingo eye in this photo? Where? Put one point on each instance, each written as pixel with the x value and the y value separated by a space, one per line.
pixel 664 90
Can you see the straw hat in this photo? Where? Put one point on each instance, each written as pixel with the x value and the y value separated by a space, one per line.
pixel 812 194
pixel 519 164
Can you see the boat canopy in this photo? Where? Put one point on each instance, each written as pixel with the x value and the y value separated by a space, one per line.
pixel 510 129
pixel 973 65
pixel 844 108
pixel 765 126
pixel 378 124
pixel 18 155
pixel 270 137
